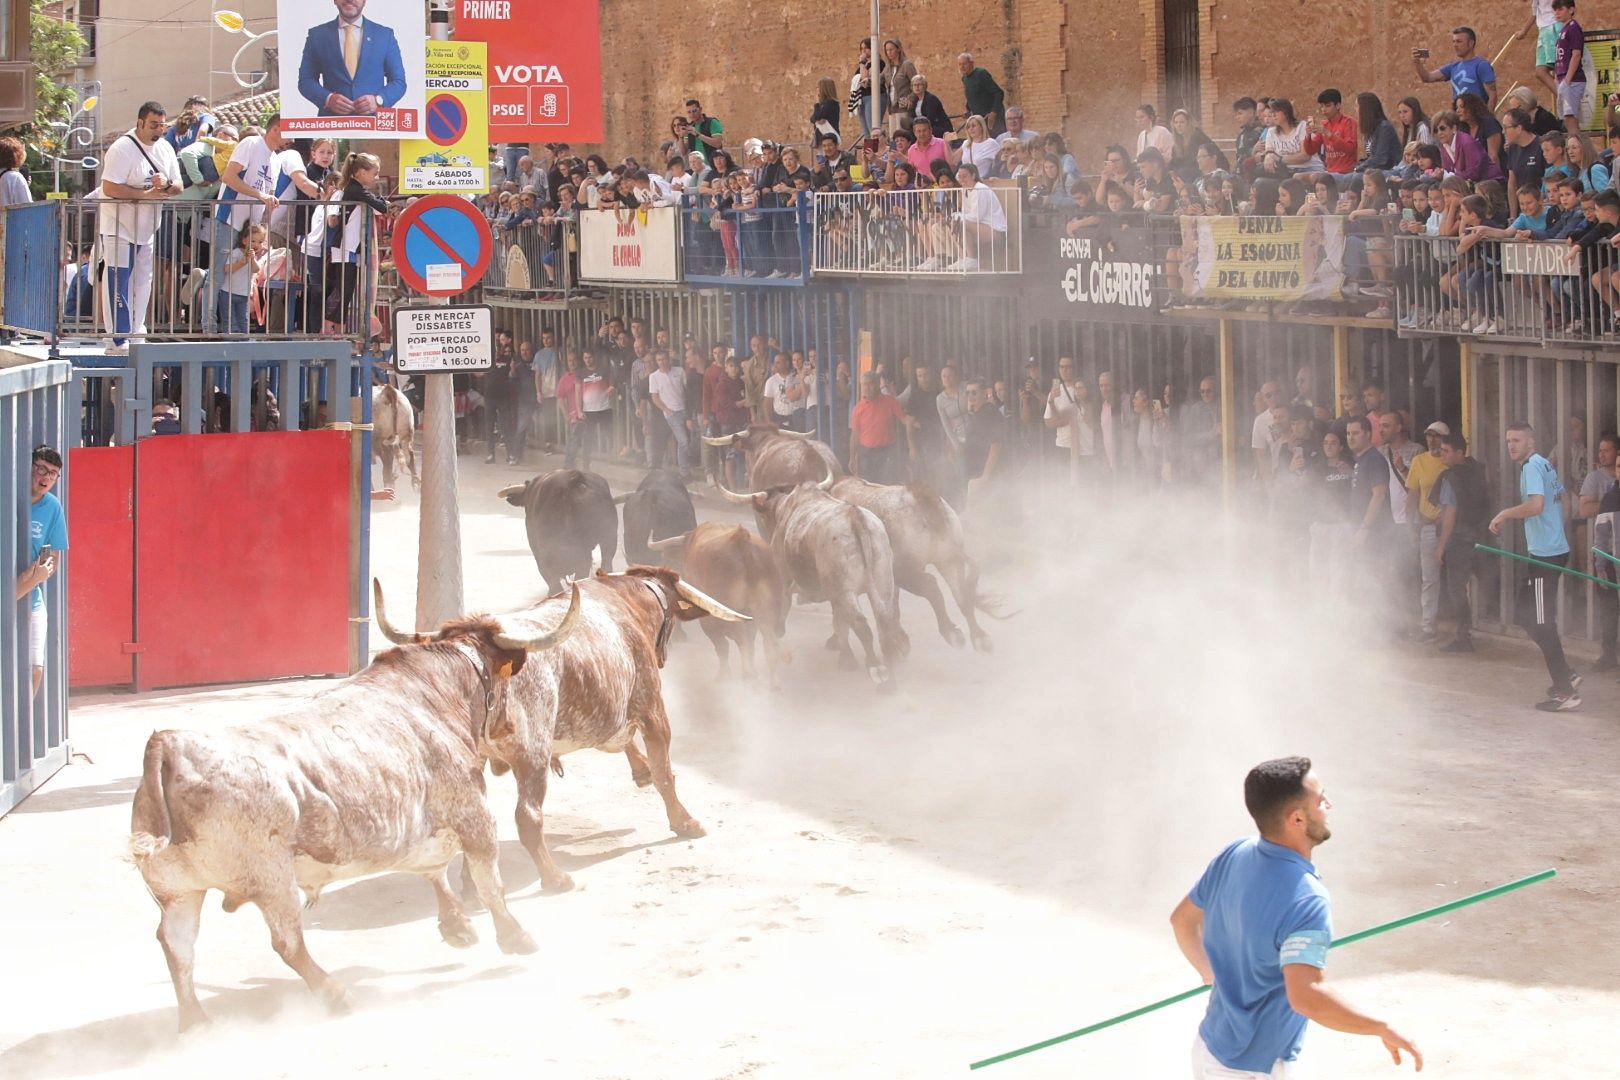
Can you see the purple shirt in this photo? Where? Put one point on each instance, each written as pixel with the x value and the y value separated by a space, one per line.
pixel 1570 39
pixel 1467 159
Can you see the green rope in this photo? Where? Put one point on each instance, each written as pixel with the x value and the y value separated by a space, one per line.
pixel 1359 935
pixel 1546 565
pixel 1605 554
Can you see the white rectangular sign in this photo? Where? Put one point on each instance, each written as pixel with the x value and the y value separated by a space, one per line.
pixel 348 74
pixel 630 245
pixel 1541 259
pixel 444 338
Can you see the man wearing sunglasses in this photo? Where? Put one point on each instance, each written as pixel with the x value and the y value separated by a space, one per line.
pixel 47 543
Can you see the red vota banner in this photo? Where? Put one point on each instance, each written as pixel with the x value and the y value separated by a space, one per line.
pixel 545 67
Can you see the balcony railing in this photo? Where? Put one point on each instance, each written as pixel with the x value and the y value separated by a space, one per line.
pixel 538 260
pixel 124 271
pixel 764 246
pixel 1536 291
pixel 948 232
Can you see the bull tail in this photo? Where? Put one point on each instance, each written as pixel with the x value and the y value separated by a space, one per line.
pixel 150 826
pixel 883 593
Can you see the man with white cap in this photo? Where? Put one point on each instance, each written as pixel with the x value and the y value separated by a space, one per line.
pixel 1423 516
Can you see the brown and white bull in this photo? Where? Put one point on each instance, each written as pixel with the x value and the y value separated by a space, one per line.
pixel 384 772
pixel 596 690
pixel 393 433
pixel 832 550
pixel 777 456
pixel 924 531
pixel 738 569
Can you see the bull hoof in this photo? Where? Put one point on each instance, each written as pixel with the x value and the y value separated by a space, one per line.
pixel 336 998
pixel 690 829
pixel 642 779
pixel 880 676
pixel 517 942
pixel 954 637
pixel 458 934
pixel 981 643
pixel 561 883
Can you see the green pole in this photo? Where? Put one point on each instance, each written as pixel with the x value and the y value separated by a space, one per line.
pixel 1359 935
pixel 1545 565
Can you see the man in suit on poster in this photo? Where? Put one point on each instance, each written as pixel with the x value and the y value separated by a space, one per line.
pixel 351 65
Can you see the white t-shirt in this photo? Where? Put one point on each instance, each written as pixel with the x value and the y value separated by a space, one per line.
pixel 776 391
pixel 979 204
pixel 1023 136
pixel 1292 142
pixel 315 239
pixel 669 387
pixel 982 154
pixel 1158 136
pixel 125 163
pixel 1267 435
pixel 289 163
pixel 259 171
pixel 1062 407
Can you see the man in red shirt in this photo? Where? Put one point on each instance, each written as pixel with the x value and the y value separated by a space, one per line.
pixel 1333 134
pixel 710 426
pixel 730 407
pixel 874 434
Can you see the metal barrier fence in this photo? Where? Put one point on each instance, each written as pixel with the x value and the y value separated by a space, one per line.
pixel 131 270
pixel 947 231
pixel 1547 292
pixel 33 727
pixel 534 261
pixel 766 245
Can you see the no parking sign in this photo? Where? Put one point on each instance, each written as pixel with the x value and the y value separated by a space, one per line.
pixel 455 155
pixel 442 245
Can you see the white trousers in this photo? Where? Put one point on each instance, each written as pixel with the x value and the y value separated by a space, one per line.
pixel 1206 1067
pixel 38 624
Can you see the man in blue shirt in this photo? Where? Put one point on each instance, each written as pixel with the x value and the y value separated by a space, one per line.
pixel 1468 74
pixel 47 543
pixel 1257 927
pixel 1541 508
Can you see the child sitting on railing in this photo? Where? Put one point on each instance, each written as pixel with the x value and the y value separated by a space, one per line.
pixel 236 280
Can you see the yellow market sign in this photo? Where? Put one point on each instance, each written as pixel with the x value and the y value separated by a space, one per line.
pixel 454 158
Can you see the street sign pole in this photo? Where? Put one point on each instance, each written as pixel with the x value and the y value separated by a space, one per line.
pixel 439 593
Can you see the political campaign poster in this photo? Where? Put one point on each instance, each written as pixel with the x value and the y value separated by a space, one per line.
pixel 545 67
pixel 353 68
pixel 454 157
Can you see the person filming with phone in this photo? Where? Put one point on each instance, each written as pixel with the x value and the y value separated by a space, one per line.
pixel 47 543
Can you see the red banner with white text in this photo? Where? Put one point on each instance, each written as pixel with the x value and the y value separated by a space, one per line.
pixel 545 67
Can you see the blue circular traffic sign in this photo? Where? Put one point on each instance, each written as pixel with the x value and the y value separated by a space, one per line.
pixel 442 245
pixel 446 120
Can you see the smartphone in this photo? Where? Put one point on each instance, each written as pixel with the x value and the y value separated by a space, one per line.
pixel 1409 214
pixel 1421 54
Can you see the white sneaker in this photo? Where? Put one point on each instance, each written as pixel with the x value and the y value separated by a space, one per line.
pixel 930 263
pixel 964 264
pixel 1476 326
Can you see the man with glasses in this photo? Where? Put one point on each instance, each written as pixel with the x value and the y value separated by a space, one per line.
pixel 1522 159
pixel 47 543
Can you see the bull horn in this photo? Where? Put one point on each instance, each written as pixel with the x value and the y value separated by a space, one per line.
pixel 508 492
pixel 546 639
pixel 699 598
pixel 827 483
pixel 794 434
pixel 724 440
pixel 618 500
pixel 669 543
pixel 732 496
pixel 389 631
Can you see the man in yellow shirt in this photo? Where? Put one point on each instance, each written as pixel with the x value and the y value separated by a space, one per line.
pixel 1422 484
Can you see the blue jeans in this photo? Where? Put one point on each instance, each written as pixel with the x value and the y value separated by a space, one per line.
pixel 230 313
pixel 754 238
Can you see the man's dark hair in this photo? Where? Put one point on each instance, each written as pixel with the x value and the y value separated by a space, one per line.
pixel 1519 116
pixel 1608 199
pixel 1330 96
pixel 150 107
pixel 1614 131
pixel 1456 441
pixel 1272 788
pixel 1244 103
pixel 1473 38
pixel 1611 438
pixel 272 120
pixel 694 101
pixel 48 455
pixel 1150 154
pixel 1362 421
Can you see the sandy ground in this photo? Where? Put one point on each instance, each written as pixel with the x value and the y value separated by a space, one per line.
pixel 892 886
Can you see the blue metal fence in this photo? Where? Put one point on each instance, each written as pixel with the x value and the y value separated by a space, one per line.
pixel 33 727
pixel 765 247
pixel 33 291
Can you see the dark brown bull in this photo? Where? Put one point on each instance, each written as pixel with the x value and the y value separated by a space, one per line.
pixel 594 691
pixel 738 569
pixel 384 772
pixel 924 531
pixel 778 457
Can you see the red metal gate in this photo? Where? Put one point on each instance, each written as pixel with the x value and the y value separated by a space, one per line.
pixel 239 549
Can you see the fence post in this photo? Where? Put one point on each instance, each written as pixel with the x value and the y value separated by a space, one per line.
pixel 1465 373
pixel 1341 364
pixel 1228 410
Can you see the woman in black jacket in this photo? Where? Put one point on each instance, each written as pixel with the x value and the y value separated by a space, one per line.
pixel 348 249
pixel 826 110
pixel 1378 136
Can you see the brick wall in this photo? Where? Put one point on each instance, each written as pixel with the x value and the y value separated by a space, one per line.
pixel 1080 68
